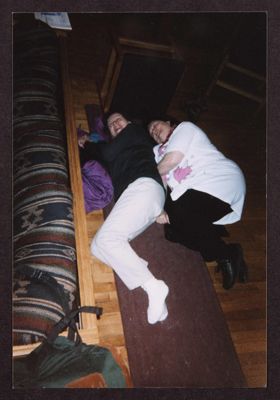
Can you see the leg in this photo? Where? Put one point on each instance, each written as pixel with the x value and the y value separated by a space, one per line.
pixel 192 217
pixel 134 211
pixel 191 223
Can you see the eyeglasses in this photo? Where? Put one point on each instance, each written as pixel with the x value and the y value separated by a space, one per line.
pixel 118 119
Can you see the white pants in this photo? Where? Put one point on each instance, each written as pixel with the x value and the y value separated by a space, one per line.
pixel 135 210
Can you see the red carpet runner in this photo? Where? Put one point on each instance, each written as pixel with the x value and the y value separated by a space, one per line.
pixel 193 347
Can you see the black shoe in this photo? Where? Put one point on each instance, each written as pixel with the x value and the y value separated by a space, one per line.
pixel 234 267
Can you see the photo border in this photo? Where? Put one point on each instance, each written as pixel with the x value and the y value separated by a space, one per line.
pixel 273 145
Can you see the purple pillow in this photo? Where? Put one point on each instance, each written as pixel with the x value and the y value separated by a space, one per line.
pixel 97 186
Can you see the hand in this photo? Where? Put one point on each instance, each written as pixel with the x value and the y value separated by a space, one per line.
pixel 164 179
pixel 163 218
pixel 82 140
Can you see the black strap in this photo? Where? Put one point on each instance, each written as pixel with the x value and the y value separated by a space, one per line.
pixel 25 271
pixel 37 355
pixel 68 321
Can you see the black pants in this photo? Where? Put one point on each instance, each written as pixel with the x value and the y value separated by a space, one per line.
pixel 191 223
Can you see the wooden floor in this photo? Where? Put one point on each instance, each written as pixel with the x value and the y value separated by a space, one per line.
pixel 244 306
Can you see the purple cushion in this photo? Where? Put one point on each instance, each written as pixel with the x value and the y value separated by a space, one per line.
pixel 97 186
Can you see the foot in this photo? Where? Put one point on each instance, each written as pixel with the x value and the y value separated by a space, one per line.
pixel 157 292
pixel 233 267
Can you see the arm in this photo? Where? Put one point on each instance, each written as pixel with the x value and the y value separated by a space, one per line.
pixel 169 161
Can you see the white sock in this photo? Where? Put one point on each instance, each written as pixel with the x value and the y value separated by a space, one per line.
pixel 157 292
pixel 164 313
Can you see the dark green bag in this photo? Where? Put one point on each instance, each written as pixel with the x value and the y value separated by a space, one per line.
pixel 58 361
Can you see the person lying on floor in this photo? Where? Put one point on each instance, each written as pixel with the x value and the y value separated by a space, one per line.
pixel 205 191
pixel 139 199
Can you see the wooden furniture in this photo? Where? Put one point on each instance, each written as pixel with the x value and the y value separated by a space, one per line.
pixel 135 75
pixel 88 324
pixel 257 81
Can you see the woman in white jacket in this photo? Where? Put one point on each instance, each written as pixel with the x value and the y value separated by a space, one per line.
pixel 205 191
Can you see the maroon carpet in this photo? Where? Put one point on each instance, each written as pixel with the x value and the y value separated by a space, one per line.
pixel 192 348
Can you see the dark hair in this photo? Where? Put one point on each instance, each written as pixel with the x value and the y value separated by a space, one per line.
pixel 173 121
pixel 111 112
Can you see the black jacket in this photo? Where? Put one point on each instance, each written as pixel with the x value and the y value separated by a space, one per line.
pixel 127 157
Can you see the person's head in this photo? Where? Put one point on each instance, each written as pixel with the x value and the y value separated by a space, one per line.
pixel 160 130
pixel 116 122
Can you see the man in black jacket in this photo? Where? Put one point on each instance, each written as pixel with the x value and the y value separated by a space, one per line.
pixel 139 200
